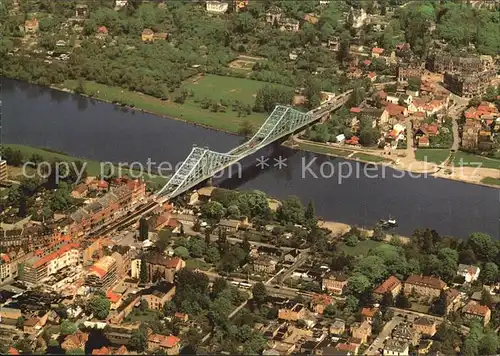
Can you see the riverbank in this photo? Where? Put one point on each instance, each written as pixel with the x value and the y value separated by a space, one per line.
pixel 94 168
pixel 339 229
pixel 214 89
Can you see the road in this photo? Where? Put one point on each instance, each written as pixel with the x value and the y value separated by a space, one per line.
pixel 378 343
pixel 454 112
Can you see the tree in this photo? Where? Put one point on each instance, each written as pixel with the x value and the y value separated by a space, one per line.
pixel 213 210
pixel 246 128
pixel 269 96
pixel 489 343
pixel 197 247
pixel 387 300
pixel 259 293
pixel 414 83
pixel 143 273
pixel 219 285
pixel 351 240
pixel 291 211
pixel 402 301
pixel 143 229
pixel 68 328
pixel 489 274
pixel 486 298
pixel 139 340
pixel 358 283
pixel 99 306
pixel 20 323
pixel 378 233
pixel 483 246
pixel 309 214
pixel 181 252
pixel 212 254
pixel 440 305
pixel 80 86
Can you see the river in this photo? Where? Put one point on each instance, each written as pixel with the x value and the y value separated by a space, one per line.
pixel 42 117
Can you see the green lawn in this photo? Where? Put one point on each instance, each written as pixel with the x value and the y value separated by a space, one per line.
pixel 471 160
pixel 362 248
pixel 93 167
pixel 321 149
pixel 437 156
pixel 143 316
pixel 369 158
pixel 194 263
pixel 209 86
pixel 490 180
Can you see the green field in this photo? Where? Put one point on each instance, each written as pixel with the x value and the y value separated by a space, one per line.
pixel 93 167
pixel 194 263
pixel 491 181
pixel 362 248
pixel 212 87
pixel 437 156
pixel 471 160
pixel 321 149
pixel 369 158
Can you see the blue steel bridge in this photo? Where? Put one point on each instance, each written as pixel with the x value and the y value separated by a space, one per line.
pixel 202 163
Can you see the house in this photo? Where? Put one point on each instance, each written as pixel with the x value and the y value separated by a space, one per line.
pixel 347 348
pixel 453 300
pixel 120 3
pixel 147 35
pixel 181 316
pixel 469 272
pixel 114 298
pixel 292 312
pixel 229 225
pixel 395 348
pixel 102 33
pixel 372 76
pixel 311 18
pixel 425 326
pixel 405 332
pixel 423 141
pixel 33 325
pixel 368 314
pixel 337 328
pixel 377 52
pixel 292 255
pixel 273 15
pixel 81 10
pixel 361 331
pixel 475 310
pixel 334 282
pixel 158 295
pixel 80 191
pixel 264 265
pixel 319 302
pixel 216 7
pixel 13 351
pixel 171 343
pixel 391 285
pixel 75 341
pixel 31 26
pixel 289 24
pixel 395 110
pixel 424 286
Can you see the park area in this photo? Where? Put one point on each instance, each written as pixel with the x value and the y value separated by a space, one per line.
pixel 432 155
pixel 214 101
pixel 464 159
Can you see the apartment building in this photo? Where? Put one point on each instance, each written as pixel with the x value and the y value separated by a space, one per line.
pixel 49 261
pixel 102 275
pixel 424 286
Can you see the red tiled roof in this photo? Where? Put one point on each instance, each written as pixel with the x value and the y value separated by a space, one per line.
pixel 99 271
pixel 113 297
pixel 388 285
pixel 347 347
pixel 173 222
pixel 322 299
pixel 367 62
pixel 424 140
pixel 102 29
pixel 13 351
pixel 372 74
pixel 163 340
pixel 382 94
pixel 102 351
pixel 173 262
pixel 55 254
pixel 451 295
pixel 369 312
pixel 5 257
pixel 394 109
pixel 430 282
pixel 355 109
pixel 377 50
pixel 475 308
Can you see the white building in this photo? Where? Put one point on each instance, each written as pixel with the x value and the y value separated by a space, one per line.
pixel 69 257
pixel 469 272
pixel 217 7
pixel 359 17
pixel 120 3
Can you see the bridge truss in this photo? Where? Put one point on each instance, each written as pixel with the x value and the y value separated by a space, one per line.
pixel 203 163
